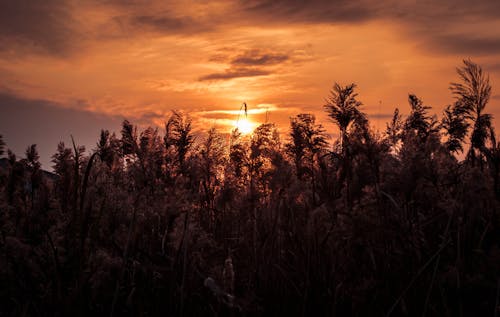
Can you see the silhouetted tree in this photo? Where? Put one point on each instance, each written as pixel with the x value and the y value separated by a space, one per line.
pixel 380 224
pixel 394 130
pixel 63 167
pixel 343 109
pixel 212 160
pixel 238 154
pixel 307 143
pixel 472 95
pixel 33 164
pixel 419 123
pixel 108 148
pixel 78 156
pixel 15 182
pixel 179 135
pixel 129 138
pixel 456 126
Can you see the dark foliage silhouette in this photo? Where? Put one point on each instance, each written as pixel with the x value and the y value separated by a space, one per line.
pixel 155 223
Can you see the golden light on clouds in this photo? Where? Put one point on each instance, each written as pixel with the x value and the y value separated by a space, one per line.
pixel 142 59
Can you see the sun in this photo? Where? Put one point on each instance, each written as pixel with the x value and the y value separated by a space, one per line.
pixel 244 126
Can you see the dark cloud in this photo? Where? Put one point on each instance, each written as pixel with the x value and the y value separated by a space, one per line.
pixel 45 123
pixel 250 63
pixel 313 11
pixel 37 26
pixel 168 23
pixel 427 22
pixel 50 27
pixel 255 58
pixel 463 45
pixel 346 11
pixel 461 10
pixel 124 3
pixel 161 23
pixel 235 73
pixel 447 27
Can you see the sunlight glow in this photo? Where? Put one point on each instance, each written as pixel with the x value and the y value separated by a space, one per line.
pixel 244 126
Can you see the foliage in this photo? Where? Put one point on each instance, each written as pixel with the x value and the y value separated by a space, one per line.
pixel 161 223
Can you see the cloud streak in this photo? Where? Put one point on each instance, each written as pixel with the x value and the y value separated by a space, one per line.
pixel 235 73
pixel 250 63
pixel 467 46
pixel 255 58
pixel 340 11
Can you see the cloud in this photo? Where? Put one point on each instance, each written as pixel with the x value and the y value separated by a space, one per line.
pixel 52 26
pixel 167 23
pixel 460 44
pixel 314 11
pixel 255 58
pixel 45 27
pixel 235 73
pixel 145 55
pixel 443 27
pixel 346 11
pixel 456 27
pixel 250 63
pixel 162 23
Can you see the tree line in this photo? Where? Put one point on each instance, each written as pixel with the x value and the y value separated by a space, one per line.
pixel 157 223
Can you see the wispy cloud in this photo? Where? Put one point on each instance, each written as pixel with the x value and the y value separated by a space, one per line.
pixel 235 73
pixel 250 63
pixel 279 11
pixel 165 23
pixel 256 58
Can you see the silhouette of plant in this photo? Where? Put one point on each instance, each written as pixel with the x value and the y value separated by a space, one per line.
pixel 472 95
pixel 156 224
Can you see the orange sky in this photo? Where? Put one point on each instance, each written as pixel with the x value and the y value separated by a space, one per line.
pixel 68 68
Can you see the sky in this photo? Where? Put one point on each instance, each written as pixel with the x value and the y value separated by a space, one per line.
pixel 72 67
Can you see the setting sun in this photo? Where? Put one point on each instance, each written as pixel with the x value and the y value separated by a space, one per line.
pixel 244 125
